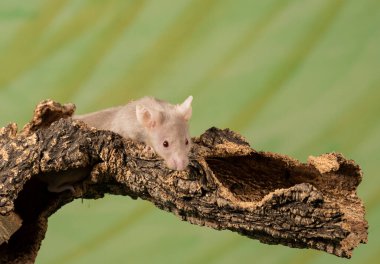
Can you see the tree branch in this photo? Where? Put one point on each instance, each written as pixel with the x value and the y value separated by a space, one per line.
pixel 228 185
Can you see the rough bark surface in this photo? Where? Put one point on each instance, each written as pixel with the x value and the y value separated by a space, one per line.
pixel 228 185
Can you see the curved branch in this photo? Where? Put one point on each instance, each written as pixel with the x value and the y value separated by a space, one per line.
pixel 228 185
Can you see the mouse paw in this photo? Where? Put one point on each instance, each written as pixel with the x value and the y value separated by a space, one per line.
pixel 148 148
pixel 150 151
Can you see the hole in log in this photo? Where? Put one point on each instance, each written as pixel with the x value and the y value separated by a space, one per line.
pixel 30 203
pixel 252 177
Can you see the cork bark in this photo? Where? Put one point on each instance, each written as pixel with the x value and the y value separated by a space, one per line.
pixel 228 185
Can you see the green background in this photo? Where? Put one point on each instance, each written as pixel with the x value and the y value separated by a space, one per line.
pixel 295 77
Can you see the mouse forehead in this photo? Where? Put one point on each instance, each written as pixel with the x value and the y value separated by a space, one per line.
pixel 176 127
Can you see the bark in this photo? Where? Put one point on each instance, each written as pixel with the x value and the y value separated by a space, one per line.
pixel 228 185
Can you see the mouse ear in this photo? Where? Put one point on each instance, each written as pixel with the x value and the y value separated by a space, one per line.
pixel 148 117
pixel 185 108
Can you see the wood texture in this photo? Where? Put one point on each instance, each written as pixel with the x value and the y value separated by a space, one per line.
pixel 228 185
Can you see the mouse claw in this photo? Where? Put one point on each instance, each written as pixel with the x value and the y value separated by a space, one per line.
pixel 150 151
pixel 148 148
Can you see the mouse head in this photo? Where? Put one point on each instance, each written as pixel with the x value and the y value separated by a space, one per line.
pixel 167 131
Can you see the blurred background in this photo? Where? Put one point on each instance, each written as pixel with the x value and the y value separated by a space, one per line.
pixel 295 77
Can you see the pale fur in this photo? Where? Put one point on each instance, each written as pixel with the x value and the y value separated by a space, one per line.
pixel 123 119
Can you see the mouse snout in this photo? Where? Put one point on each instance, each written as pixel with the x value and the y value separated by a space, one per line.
pixel 177 163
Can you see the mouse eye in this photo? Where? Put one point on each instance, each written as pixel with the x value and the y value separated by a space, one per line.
pixel 187 142
pixel 165 144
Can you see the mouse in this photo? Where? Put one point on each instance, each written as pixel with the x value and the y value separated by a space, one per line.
pixel 162 126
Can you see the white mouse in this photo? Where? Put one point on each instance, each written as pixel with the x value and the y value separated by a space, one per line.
pixel 159 124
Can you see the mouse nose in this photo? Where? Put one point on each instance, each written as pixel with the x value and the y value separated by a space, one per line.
pixel 180 164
